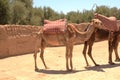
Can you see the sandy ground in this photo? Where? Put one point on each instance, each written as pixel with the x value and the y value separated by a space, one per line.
pixel 22 67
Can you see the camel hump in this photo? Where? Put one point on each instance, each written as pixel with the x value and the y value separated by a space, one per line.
pixel 47 21
pixel 53 27
pixel 50 22
pixel 112 18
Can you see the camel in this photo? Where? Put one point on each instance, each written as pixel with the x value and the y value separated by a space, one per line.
pixel 110 24
pixel 101 34
pixel 67 38
pixel 98 34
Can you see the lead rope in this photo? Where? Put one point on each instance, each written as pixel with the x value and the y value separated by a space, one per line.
pixel 94 5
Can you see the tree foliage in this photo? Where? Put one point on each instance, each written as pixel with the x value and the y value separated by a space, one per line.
pixel 23 12
pixel 4 11
pixel 37 16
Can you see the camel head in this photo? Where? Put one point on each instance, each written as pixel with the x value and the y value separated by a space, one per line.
pixel 97 23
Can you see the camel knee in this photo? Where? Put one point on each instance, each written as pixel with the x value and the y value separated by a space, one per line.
pixel 84 52
pixel 111 48
pixel 35 55
pixel 89 53
pixel 67 55
pixel 85 48
pixel 41 55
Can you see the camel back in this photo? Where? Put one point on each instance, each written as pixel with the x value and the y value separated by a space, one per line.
pixel 55 27
pixel 110 23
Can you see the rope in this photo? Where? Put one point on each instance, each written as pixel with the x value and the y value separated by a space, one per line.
pixel 94 5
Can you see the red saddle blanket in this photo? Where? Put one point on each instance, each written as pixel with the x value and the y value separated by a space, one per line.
pixel 110 23
pixel 54 27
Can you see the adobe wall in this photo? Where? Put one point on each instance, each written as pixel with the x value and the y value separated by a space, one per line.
pixel 16 39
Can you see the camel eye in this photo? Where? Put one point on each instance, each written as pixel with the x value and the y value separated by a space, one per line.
pixel 96 22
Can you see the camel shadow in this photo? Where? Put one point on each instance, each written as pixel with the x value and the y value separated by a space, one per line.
pixel 90 68
pixel 101 67
pixel 57 71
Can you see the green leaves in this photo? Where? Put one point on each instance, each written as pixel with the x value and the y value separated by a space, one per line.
pixel 4 11
pixel 23 12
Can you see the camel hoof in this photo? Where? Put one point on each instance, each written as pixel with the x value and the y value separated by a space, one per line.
pixel 69 69
pixel 97 65
pixel 117 60
pixel 47 68
pixel 36 69
pixel 111 63
pixel 88 65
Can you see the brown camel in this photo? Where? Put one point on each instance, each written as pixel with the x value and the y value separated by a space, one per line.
pixel 110 24
pixel 96 34
pixel 67 38
pixel 100 35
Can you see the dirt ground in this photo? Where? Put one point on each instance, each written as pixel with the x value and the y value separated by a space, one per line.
pixel 22 67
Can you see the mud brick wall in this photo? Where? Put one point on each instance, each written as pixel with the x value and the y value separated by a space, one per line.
pixel 17 39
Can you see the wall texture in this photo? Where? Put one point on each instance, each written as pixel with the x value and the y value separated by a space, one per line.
pixel 16 39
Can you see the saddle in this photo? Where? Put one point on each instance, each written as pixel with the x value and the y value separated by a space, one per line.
pixel 55 27
pixel 110 23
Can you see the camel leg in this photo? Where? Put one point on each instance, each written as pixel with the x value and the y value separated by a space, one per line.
pixel 71 44
pixel 42 58
pixel 43 44
pixel 115 44
pixel 35 57
pixel 37 46
pixel 91 42
pixel 110 40
pixel 116 53
pixel 71 50
pixel 90 55
pixel 67 55
pixel 110 53
pixel 84 52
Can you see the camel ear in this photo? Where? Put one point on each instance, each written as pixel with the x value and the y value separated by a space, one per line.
pixel 95 15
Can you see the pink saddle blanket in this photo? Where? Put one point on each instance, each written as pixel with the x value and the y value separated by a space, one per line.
pixel 55 27
pixel 110 23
